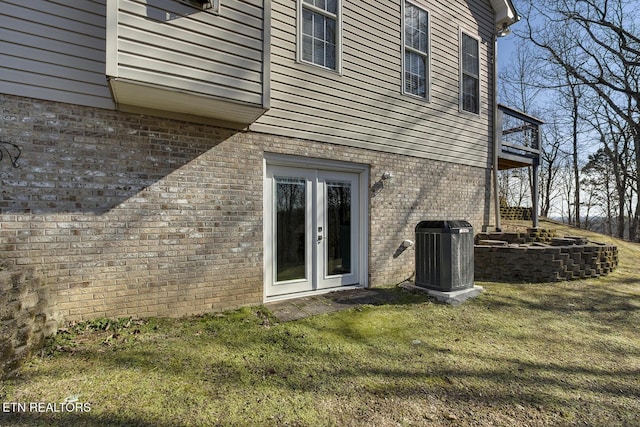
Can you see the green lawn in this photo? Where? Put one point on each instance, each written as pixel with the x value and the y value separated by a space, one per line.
pixel 518 355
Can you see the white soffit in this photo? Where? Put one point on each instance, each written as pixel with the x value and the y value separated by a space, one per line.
pixel 137 94
pixel 505 13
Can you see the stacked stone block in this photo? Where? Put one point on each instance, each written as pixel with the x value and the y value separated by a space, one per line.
pixel 516 213
pixel 543 263
pixel 27 316
pixel 532 235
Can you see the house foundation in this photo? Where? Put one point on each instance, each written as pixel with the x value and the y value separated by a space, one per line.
pixel 122 214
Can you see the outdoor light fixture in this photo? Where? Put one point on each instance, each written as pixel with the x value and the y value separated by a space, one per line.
pixel 504 31
pixel 387 175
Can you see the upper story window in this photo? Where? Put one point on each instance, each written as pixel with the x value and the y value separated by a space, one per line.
pixel 319 37
pixel 470 73
pixel 415 62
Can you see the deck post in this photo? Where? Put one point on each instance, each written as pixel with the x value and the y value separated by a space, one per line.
pixel 497 147
pixel 534 196
pixel 536 180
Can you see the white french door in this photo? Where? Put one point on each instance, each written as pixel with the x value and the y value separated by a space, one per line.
pixel 312 230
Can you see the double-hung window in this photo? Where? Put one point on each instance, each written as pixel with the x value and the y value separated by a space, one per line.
pixel 319 36
pixel 416 51
pixel 470 74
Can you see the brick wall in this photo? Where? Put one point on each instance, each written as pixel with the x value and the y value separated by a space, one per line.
pixel 123 214
pixel 420 190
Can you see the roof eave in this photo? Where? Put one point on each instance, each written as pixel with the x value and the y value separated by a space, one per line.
pixel 506 13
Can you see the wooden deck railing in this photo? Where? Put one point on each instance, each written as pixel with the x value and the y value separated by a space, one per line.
pixel 519 146
pixel 520 142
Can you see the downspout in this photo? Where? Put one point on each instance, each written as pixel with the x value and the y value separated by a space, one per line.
pixel 536 182
pixel 502 28
pixel 497 133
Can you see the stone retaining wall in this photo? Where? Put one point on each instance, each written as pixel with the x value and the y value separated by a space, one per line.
pixel 516 213
pixel 543 263
pixel 532 235
pixel 27 316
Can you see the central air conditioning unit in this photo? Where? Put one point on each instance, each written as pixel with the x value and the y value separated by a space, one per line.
pixel 444 255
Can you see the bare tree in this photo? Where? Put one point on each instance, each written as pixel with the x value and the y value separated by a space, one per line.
pixel 598 176
pixel 520 89
pixel 617 154
pixel 574 95
pixel 596 44
pixel 566 183
pixel 550 171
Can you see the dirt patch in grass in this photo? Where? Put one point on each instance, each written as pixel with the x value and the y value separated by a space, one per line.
pixel 518 355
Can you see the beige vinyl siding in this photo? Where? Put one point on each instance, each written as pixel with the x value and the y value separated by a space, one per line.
pixel 170 44
pixel 364 106
pixel 54 50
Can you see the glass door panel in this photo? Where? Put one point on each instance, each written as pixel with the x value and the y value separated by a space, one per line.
pixel 337 217
pixel 289 251
pixel 338 233
pixel 291 230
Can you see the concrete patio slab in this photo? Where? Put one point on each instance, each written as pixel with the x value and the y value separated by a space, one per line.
pixel 299 308
pixel 450 297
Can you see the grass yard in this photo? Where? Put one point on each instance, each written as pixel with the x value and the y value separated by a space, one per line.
pixel 559 354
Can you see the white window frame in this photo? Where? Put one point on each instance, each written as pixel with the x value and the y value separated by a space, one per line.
pixel 426 54
pixel 463 33
pixel 338 42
